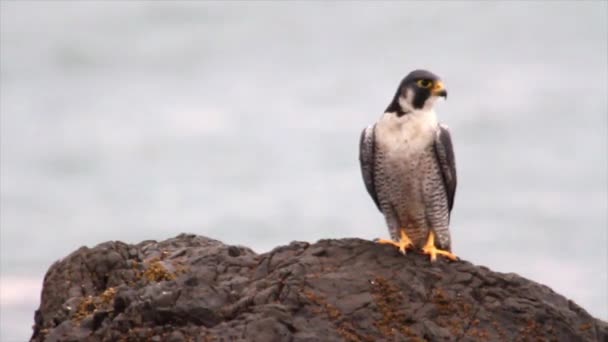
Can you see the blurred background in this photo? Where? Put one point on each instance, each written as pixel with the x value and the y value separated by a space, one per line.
pixel 240 121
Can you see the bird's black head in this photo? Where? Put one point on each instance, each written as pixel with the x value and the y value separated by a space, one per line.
pixel 418 90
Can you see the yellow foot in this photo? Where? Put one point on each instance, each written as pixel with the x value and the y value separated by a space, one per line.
pixel 403 243
pixel 433 251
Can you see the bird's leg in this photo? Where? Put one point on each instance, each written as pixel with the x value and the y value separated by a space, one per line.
pixel 403 243
pixel 433 251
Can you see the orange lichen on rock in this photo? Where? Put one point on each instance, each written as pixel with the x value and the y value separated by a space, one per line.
pixel 156 271
pixel 391 305
pixel 343 327
pixel 86 307
pixel 108 295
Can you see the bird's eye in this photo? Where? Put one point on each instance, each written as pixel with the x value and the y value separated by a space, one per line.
pixel 424 83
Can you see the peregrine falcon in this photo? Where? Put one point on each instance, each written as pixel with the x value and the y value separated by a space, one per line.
pixel 408 167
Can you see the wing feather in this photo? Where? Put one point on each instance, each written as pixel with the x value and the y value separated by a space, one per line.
pixel 367 160
pixel 444 152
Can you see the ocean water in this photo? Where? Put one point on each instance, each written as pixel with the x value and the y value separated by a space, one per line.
pixel 240 121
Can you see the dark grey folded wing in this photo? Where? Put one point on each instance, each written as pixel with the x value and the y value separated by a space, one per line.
pixel 444 153
pixel 367 161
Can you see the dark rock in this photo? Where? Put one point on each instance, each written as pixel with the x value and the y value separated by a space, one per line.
pixel 176 336
pixel 192 288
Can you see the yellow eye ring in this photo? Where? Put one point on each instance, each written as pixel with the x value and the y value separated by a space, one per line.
pixel 424 83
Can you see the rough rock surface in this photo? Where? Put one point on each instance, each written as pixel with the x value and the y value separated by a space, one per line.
pixel 191 288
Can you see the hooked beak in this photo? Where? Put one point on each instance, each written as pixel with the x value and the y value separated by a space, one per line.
pixel 439 90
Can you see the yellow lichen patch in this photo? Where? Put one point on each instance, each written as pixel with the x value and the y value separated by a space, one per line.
pixel 137 268
pixel 108 295
pixel 391 306
pixel 86 307
pixel 91 304
pixel 156 271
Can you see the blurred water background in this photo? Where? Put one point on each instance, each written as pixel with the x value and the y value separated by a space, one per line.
pixel 240 121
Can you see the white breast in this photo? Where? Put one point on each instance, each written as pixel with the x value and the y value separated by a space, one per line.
pixel 410 133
